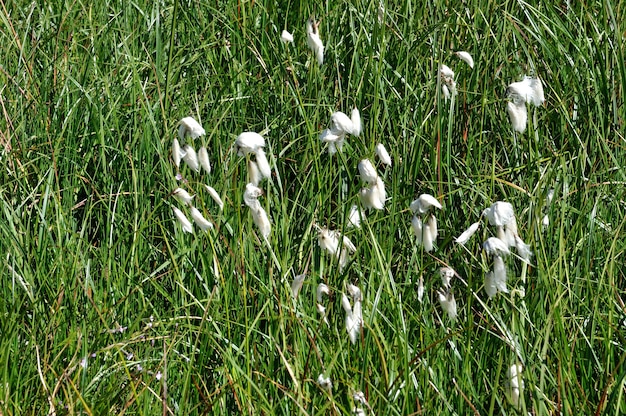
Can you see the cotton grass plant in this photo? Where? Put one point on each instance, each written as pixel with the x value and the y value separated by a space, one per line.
pixel 108 307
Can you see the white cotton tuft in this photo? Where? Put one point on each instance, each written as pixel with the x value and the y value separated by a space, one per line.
pixel 296 285
pixel 448 304
pixel 177 153
pixel 189 127
pixel 465 57
pixel 418 228
pixel 383 155
pixel 341 124
pixel 420 289
pixel 424 203
pixel 314 41
pixel 499 274
pixel 490 285
pixel 262 221
pixel 447 274
pixel 467 234
pixel 182 219
pixel 254 174
pixel 355 117
pixel 496 247
pixel 199 219
pixel 191 158
pixel 215 196
pixel 325 383
pixel 249 142
pixel 263 164
pixel 182 195
pixel 367 171
pixel 355 216
pixel 203 158
pixel 322 290
pixel 514 384
pixel 432 224
pixel 518 116
pixel 523 249
pixel 286 37
pixel 500 213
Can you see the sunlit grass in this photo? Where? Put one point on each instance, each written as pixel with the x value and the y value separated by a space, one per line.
pixel 108 307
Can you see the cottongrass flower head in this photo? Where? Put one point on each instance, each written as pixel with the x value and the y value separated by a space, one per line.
pixel 367 171
pixel 467 234
pixel 355 216
pixel 296 285
pixel 259 216
pixel 183 196
pixel 426 233
pixel 286 37
pixel 199 219
pixel 448 84
pixel 447 274
pixel 374 196
pixel 335 244
pixel 354 313
pixel 495 281
pixel 250 142
pixel 340 126
pixel 189 127
pixel 190 157
pixel 215 196
pixel 382 154
pixel 465 57
pixel 325 383
pixel 177 153
pixel 514 384
pixel 448 303
pixel 529 90
pixel 183 220
pixel 314 41
pixel 322 290
pixel 203 158
pixel 501 215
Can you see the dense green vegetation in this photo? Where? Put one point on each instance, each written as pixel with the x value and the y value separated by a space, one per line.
pixel 107 307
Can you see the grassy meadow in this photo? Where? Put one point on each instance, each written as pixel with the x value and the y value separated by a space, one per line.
pixel 108 307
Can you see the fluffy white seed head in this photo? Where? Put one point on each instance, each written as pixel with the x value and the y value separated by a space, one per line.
pixel 177 153
pixel 382 154
pixel 182 195
pixel 447 274
pixel 499 274
pixel 322 290
pixel 424 203
pixel 263 164
pixel 325 383
pixel 448 304
pixel 215 196
pixel 296 285
pixel 514 384
pixel 341 124
pixel 254 174
pixel 203 158
pixel 286 37
pixel 518 115
pixel 182 219
pixel 465 57
pixel 367 171
pixel 529 90
pixel 500 213
pixel 199 219
pixel 493 246
pixel 355 117
pixel 191 158
pixel 262 221
pixel 314 41
pixel 249 142
pixel 467 234
pixel 189 127
pixel 355 216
